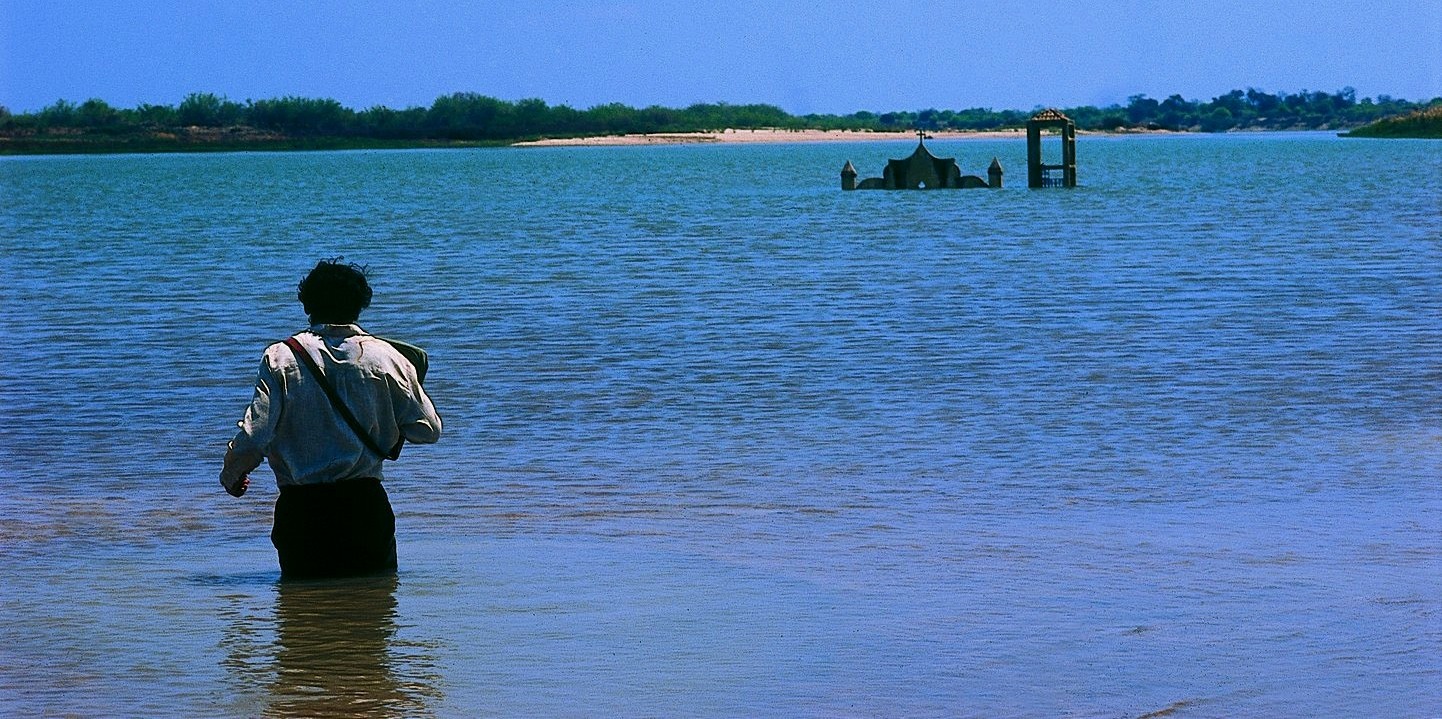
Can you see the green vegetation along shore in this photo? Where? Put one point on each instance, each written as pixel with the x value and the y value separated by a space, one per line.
pixel 1425 123
pixel 207 122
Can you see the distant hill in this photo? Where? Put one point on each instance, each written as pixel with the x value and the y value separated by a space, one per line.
pixel 1424 123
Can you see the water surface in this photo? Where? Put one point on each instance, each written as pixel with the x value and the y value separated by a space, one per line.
pixel 723 440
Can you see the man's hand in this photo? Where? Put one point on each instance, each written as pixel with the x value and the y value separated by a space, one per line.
pixel 235 487
pixel 235 475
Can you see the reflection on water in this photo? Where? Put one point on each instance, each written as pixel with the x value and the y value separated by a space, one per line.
pixel 335 652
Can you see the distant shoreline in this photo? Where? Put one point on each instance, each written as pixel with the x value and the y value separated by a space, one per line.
pixel 161 144
pixel 205 122
pixel 1422 124
pixel 777 136
pixel 199 140
pixel 760 136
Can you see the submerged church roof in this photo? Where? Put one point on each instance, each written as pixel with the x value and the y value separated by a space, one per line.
pixel 921 171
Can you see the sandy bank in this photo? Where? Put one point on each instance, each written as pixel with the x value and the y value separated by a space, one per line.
pixel 768 136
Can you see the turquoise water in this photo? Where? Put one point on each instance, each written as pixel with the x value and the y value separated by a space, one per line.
pixel 723 440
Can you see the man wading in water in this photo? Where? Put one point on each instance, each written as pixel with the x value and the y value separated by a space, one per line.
pixel 333 517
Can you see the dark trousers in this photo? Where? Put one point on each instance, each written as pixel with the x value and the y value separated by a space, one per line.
pixel 345 529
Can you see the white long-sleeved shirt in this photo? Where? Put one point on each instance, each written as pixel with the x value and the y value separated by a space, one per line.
pixel 291 424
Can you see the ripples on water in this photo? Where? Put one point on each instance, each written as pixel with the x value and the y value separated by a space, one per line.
pixel 724 440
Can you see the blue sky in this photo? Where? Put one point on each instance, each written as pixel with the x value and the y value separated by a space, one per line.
pixel 814 56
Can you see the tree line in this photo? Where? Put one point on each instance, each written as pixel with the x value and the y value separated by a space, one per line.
pixel 468 116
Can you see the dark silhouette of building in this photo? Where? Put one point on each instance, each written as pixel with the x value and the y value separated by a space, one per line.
pixel 993 173
pixel 921 171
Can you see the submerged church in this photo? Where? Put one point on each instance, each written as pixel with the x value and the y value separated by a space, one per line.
pixel 921 171
pixel 925 171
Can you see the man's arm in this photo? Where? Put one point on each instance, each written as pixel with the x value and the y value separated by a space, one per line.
pixel 421 425
pixel 416 417
pixel 246 451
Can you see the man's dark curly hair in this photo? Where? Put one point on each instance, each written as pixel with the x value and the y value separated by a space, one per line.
pixel 335 293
